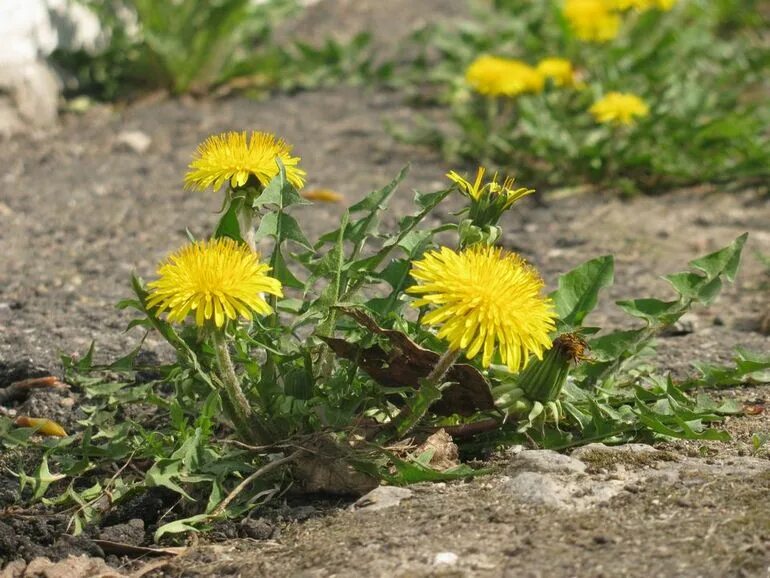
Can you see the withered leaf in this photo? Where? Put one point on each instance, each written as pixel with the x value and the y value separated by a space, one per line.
pixel 406 363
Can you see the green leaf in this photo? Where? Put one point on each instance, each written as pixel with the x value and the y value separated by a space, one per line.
pixel 723 262
pixel 373 204
pixel 280 192
pixel 282 273
pixel 579 289
pixel 653 310
pixel 184 525
pixel 228 225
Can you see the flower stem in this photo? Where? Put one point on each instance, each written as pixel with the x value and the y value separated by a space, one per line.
pixel 444 363
pixel 407 418
pixel 236 405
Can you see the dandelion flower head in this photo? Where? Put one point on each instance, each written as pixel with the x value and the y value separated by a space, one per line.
pixel 592 20
pixel 495 76
pixel 559 70
pixel 233 157
pixel 479 190
pixel 619 108
pixel 216 280
pixel 485 299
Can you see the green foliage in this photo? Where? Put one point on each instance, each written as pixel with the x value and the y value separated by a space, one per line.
pixel 185 46
pixel 338 377
pixel 700 68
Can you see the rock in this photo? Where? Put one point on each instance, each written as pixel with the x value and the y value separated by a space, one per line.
pixel 71 567
pixel 538 489
pixel 625 452
pixel 31 30
pixel 546 461
pixel 132 532
pixel 258 529
pixel 134 141
pixel 445 453
pixel 445 559
pixel 380 498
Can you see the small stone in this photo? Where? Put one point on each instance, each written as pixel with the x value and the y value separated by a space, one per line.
pixel 380 498
pixel 132 533
pixel 134 141
pixel 547 461
pixel 256 529
pixel 538 489
pixel 445 559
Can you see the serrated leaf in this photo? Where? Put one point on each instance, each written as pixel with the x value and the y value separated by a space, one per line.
pixel 279 192
pixel 578 290
pixel 228 225
pixel 723 262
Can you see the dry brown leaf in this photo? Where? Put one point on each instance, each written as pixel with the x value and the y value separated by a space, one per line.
pixel 45 427
pixel 445 452
pixel 406 363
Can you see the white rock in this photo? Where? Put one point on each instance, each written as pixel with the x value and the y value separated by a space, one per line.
pixel 538 489
pixel 445 559
pixel 31 30
pixel 380 498
pixel 546 461
pixel 133 140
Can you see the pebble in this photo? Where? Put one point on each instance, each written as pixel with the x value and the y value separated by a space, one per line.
pixel 445 559
pixel 380 498
pixel 547 461
pixel 134 141
pixel 537 489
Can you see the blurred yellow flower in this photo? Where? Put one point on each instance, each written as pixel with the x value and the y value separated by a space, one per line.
pixel 486 299
pixel 217 280
pixel 619 108
pixel 479 190
pixel 229 156
pixel 495 76
pixel 559 70
pixel 592 20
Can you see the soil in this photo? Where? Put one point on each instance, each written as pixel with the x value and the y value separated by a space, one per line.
pixel 80 210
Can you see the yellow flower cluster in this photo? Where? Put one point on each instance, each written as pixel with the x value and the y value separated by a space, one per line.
pixel 599 20
pixel 559 70
pixel 593 20
pixel 496 76
pixel 619 108
pixel 485 299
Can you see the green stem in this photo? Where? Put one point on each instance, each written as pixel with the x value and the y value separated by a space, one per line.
pixel 236 406
pixel 407 418
pixel 446 361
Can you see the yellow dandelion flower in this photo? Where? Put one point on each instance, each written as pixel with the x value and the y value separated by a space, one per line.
pixel 219 279
pixel 485 299
pixel 559 70
pixel 592 20
pixel 619 108
pixel 495 76
pixel 479 190
pixel 230 156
